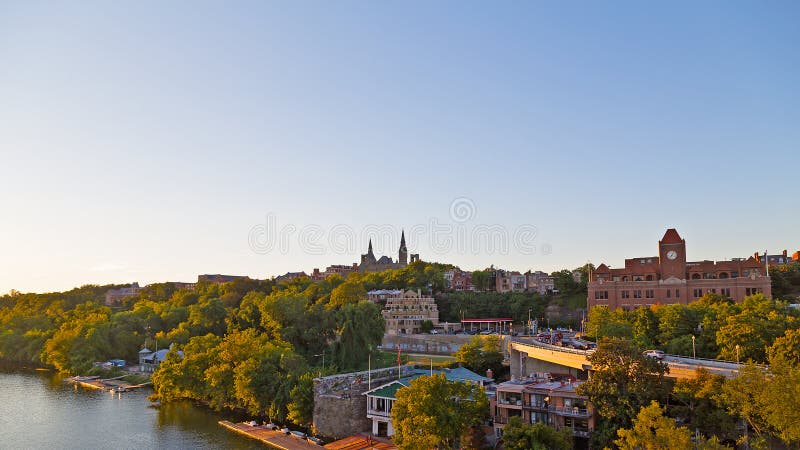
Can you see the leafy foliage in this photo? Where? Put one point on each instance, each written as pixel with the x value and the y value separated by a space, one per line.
pixel 518 435
pixel 434 412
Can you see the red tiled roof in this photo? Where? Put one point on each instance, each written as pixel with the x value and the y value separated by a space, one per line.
pixel 671 237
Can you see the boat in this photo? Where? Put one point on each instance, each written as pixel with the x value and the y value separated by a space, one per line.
pixel 299 434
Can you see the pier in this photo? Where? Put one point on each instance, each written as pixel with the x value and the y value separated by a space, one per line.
pixel 273 438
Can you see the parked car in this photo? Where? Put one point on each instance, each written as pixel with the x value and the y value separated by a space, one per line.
pixel 657 354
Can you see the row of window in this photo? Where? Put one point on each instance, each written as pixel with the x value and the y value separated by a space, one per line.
pixel 648 293
pixel 725 292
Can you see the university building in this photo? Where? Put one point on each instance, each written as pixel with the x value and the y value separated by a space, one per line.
pixel 405 313
pixel 669 278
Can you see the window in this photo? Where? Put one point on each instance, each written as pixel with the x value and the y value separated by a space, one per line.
pixel 669 293
pixel 713 291
pixel 649 293
pixel 626 294
pixel 747 291
pixel 637 294
pixel 677 293
pixel 698 293
pixel 650 278
pixel 601 295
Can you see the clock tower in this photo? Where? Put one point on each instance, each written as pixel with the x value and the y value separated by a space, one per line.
pixel 672 255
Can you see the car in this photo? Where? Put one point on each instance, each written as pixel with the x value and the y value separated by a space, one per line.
pixel 657 354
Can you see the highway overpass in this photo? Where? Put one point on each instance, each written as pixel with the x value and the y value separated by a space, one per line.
pixel 528 355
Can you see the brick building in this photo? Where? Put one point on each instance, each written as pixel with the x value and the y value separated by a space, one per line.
pixel 543 400
pixel 342 270
pixel 668 278
pixel 114 296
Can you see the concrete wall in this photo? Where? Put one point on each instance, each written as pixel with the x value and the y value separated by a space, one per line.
pixel 340 406
pixel 438 344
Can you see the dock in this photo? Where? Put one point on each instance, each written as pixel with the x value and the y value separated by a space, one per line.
pixel 360 443
pixel 108 384
pixel 273 438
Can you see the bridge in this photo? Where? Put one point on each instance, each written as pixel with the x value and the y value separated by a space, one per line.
pixel 527 355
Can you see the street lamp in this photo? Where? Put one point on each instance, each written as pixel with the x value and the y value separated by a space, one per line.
pixel 323 359
pixel 530 326
pixel 694 353
pixel 737 354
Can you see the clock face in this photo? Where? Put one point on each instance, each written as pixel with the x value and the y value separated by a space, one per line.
pixel 672 254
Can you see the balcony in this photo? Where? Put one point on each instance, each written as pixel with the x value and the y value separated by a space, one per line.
pixel 571 411
pixel 578 431
pixel 538 406
pixel 378 412
pixel 506 402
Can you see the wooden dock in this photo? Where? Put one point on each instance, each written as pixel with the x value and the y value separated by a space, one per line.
pixel 273 438
pixel 360 443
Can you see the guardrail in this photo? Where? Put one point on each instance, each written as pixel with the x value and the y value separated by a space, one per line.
pixel 534 343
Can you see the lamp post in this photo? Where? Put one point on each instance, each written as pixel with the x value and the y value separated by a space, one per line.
pixel 530 326
pixel 737 355
pixel 694 353
pixel 323 359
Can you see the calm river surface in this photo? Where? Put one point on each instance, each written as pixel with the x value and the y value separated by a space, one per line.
pixel 39 411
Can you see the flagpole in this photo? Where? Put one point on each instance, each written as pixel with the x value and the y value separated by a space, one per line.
pixel 766 260
pixel 398 360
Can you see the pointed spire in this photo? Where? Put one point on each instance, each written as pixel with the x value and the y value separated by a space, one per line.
pixel 403 239
pixel 369 250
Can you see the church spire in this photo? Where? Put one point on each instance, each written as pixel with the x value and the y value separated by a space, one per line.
pixel 369 250
pixel 402 257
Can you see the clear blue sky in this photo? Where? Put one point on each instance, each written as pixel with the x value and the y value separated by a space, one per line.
pixel 146 141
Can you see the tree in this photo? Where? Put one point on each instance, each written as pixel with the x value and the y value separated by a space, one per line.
pixel 301 408
pixel 480 354
pixel 518 435
pixel 652 430
pixel 623 381
pixel 433 412
pixel 426 326
pixel 360 328
pixel 480 279
pixel 697 401
pixel 350 292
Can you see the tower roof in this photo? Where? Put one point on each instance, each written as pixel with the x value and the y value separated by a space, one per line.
pixel 671 237
pixel 403 239
pixel 369 250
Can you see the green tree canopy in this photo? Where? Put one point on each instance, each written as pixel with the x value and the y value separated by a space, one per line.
pixel 518 435
pixel 434 412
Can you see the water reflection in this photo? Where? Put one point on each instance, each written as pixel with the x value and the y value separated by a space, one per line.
pixel 38 410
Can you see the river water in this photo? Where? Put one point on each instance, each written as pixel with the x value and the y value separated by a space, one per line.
pixel 39 411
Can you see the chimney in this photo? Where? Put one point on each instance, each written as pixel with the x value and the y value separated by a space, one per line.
pixel 489 373
pixel 785 253
pixel 757 256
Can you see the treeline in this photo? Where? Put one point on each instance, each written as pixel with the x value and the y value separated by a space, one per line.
pixel 245 344
pixel 721 328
